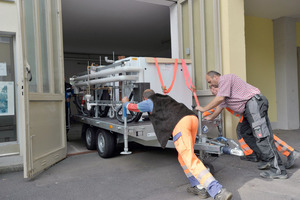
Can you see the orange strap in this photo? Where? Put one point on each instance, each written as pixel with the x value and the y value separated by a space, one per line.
pixel 236 114
pixel 165 90
pixel 188 81
pixel 209 112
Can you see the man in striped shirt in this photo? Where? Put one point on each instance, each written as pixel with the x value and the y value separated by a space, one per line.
pixel 246 100
pixel 248 143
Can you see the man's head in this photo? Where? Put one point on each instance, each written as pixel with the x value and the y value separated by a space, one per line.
pixel 147 93
pixel 212 78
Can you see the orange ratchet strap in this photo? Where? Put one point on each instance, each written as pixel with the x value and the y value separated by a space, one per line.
pixel 165 90
pixel 188 81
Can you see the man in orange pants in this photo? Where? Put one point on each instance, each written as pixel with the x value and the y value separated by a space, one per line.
pixel 170 118
pixel 252 153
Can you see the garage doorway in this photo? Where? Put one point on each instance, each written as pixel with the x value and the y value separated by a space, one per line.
pixel 94 30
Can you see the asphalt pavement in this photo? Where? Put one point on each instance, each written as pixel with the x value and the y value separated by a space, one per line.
pixel 148 173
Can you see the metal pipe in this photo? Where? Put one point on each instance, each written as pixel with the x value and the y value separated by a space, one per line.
pixel 107 60
pixel 199 127
pixel 107 72
pixel 107 80
pixel 125 132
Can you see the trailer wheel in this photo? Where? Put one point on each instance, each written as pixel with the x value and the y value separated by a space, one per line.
pixel 106 143
pixel 90 138
pixel 83 130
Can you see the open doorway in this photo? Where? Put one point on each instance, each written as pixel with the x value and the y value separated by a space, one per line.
pixel 93 30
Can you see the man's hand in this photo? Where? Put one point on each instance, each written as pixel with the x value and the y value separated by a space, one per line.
pixel 125 99
pixel 208 118
pixel 200 108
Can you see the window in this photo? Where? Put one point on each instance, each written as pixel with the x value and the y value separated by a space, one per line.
pixel 7 90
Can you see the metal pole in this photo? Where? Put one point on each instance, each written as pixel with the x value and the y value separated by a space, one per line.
pixel 200 135
pixel 125 133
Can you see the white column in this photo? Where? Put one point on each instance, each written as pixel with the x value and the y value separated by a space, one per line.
pixel 174 31
pixel 285 53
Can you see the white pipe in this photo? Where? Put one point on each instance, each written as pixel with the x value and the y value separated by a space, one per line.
pixel 107 60
pixel 107 80
pixel 107 72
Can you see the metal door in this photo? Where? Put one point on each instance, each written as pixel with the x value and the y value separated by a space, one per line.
pixel 41 27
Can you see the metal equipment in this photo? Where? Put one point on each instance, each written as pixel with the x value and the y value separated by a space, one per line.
pixel 98 100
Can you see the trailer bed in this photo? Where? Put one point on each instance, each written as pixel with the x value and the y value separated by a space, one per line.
pixel 142 130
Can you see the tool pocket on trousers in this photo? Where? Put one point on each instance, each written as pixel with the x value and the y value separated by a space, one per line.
pixel 178 142
pixel 260 128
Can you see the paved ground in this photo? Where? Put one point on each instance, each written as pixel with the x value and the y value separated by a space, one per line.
pixel 148 173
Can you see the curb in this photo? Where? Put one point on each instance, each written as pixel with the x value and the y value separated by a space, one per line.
pixel 11 168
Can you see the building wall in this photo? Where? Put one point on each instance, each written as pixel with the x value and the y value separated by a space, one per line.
pixel 260 66
pixel 8 10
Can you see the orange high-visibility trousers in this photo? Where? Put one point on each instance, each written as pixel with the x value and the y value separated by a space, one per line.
pixel 184 136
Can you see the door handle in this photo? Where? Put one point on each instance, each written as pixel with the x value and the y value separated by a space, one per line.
pixel 29 75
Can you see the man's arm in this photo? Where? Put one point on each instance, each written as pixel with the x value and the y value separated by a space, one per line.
pixel 215 102
pixel 144 106
pixel 215 113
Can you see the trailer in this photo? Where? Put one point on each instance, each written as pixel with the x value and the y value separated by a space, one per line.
pixel 106 123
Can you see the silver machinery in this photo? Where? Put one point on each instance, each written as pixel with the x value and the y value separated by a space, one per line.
pixel 98 94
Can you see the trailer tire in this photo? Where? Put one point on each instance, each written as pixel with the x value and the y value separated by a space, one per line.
pixel 90 138
pixel 83 130
pixel 106 143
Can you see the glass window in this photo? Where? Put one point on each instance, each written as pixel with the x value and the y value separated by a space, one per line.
pixel 7 90
pixel 30 44
pixel 210 35
pixel 44 45
pixel 186 31
pixel 205 37
pixel 56 45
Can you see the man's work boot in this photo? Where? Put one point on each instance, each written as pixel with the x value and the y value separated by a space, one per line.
pixel 291 159
pixel 223 195
pixel 263 165
pixel 202 193
pixel 252 157
pixel 273 175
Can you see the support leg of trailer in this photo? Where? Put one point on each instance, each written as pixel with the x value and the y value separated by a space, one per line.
pixel 125 133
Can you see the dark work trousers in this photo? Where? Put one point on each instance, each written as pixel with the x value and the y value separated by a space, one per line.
pixel 256 119
pixel 243 130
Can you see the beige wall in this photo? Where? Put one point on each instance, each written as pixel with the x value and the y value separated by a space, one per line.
pixel 8 17
pixel 233 49
pixel 260 59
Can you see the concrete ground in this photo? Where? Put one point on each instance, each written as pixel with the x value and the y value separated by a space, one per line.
pixel 148 173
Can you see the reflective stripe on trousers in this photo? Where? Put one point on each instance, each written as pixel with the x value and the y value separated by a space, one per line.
pixel 282 146
pixel 184 136
pixel 245 148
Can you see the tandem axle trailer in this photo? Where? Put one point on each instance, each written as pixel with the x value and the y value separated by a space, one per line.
pixel 98 95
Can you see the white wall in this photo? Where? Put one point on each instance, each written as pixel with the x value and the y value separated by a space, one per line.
pixel 286 72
